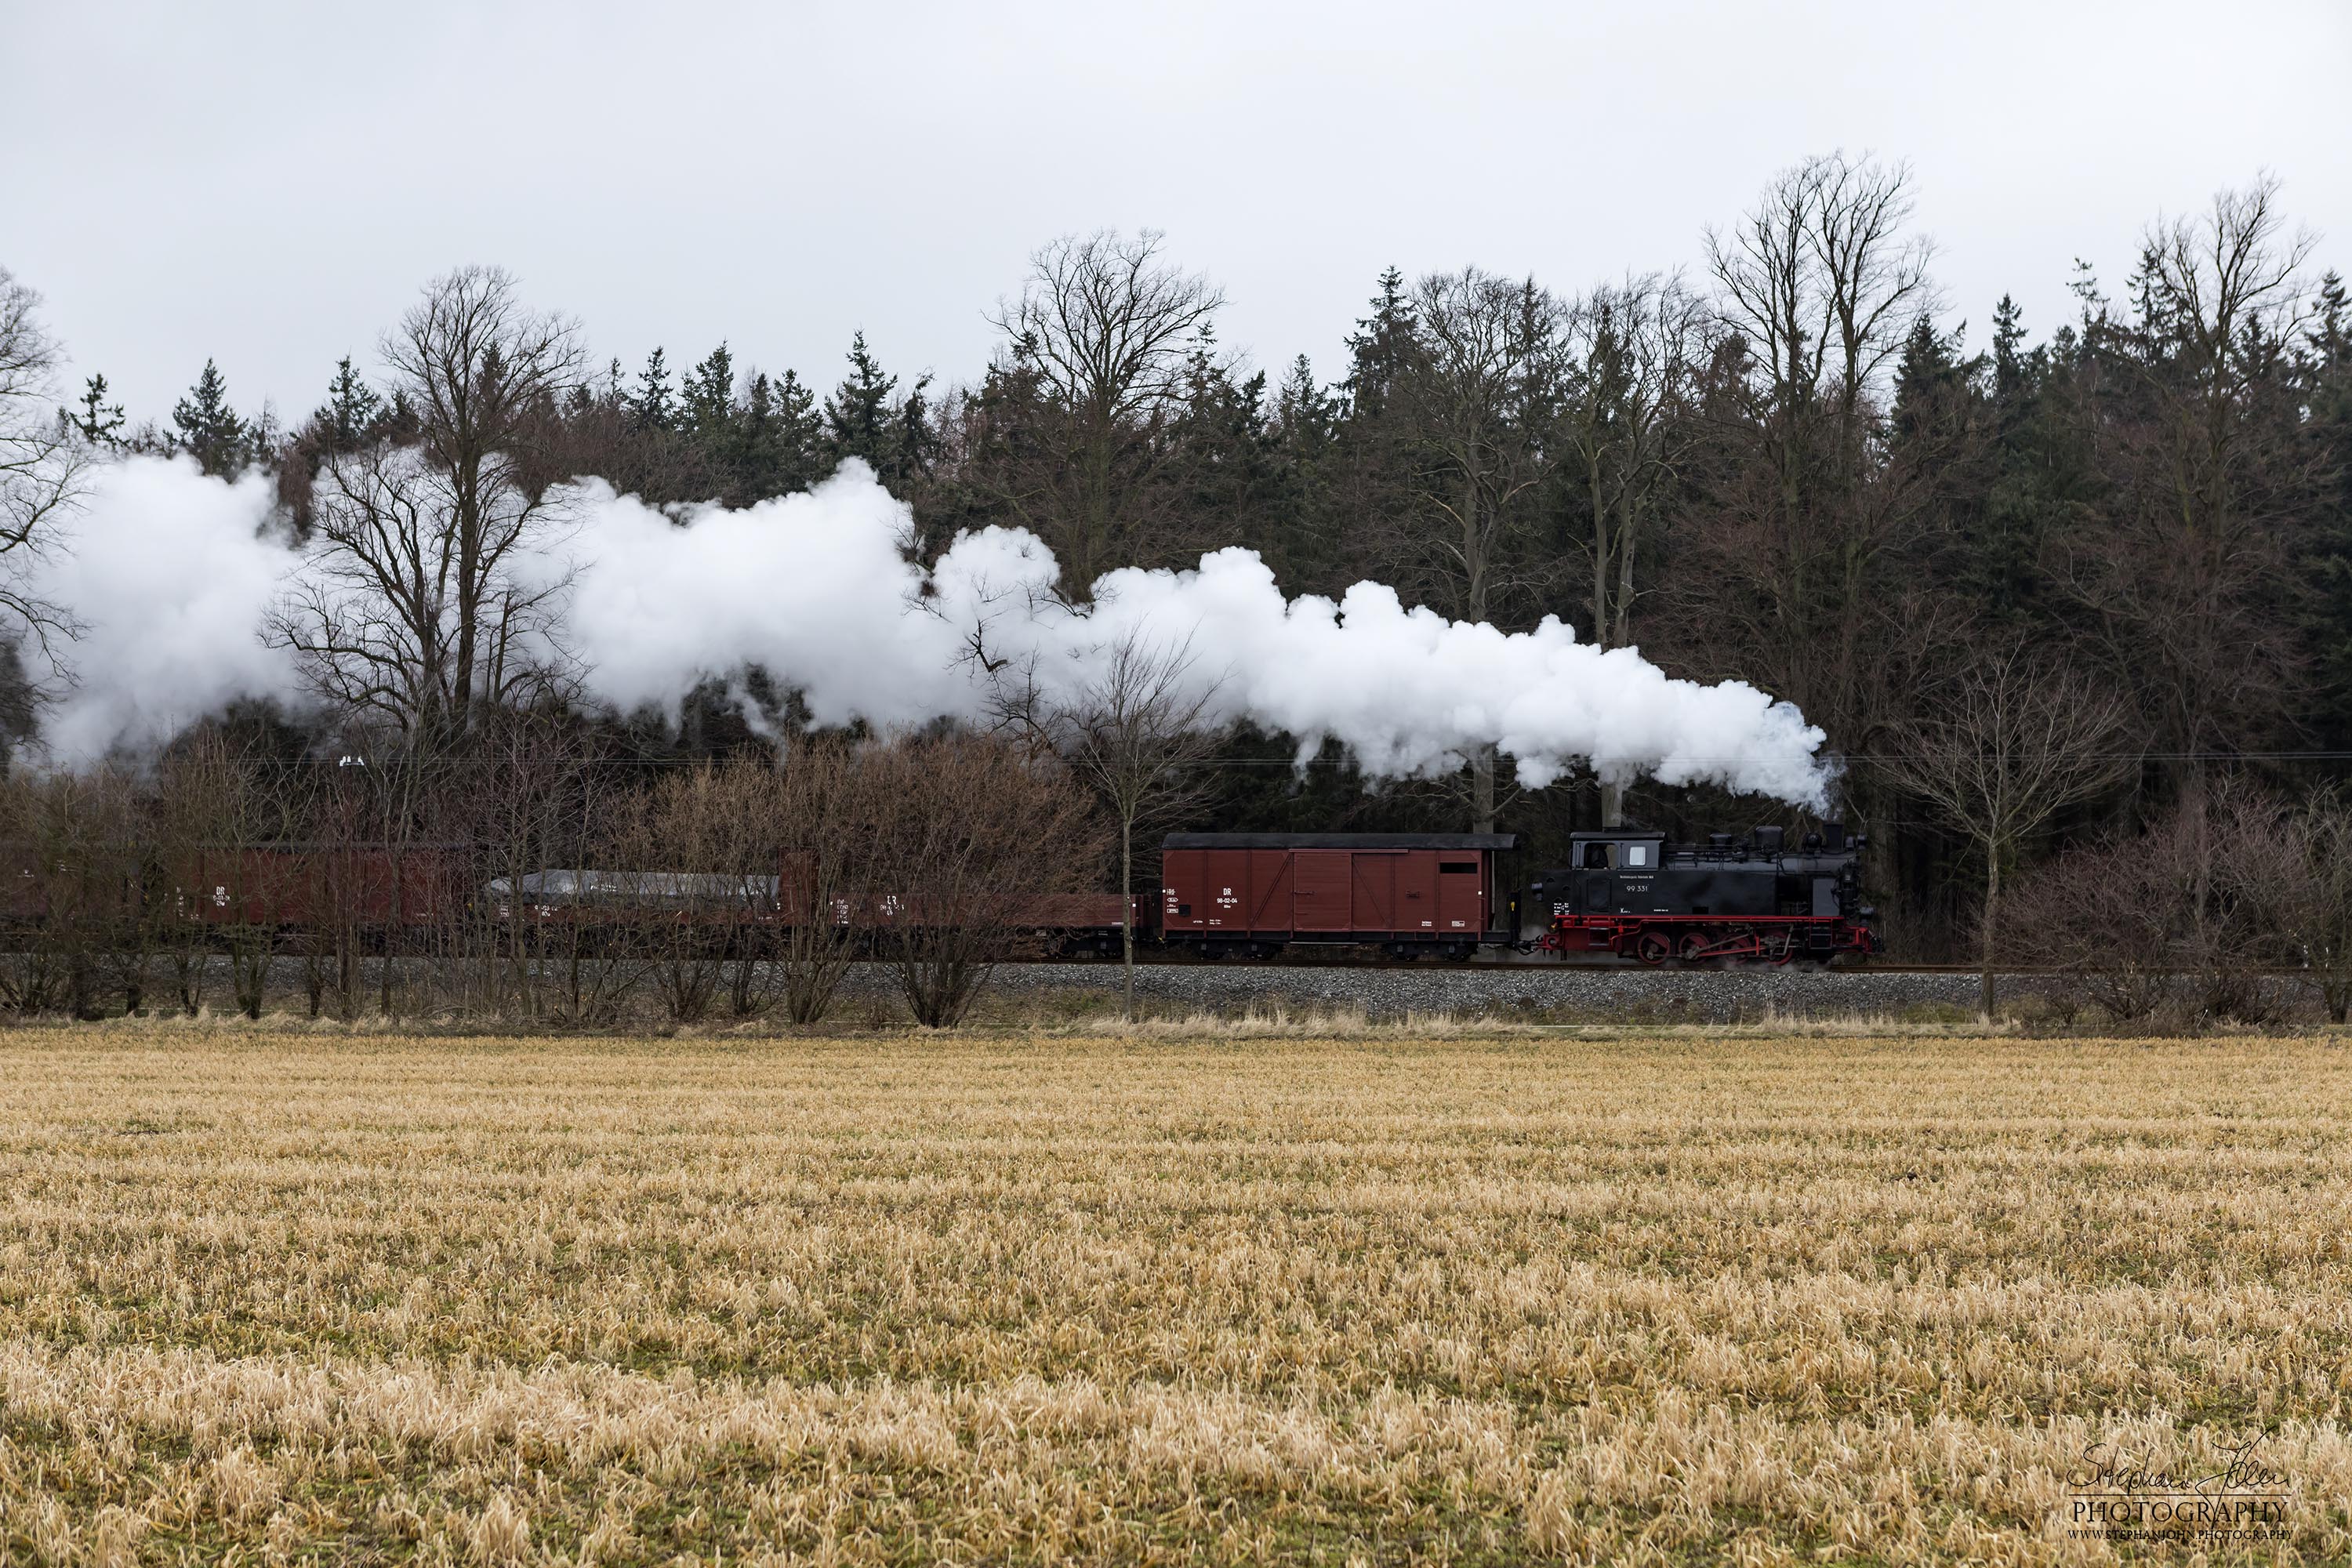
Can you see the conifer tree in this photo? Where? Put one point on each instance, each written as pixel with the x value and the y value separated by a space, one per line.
pixel 708 401
pixel 2326 376
pixel 652 407
pixel 204 427
pixel 1380 347
pixel 857 415
pixel 2027 478
pixel 863 421
pixel 353 410
pixel 99 423
pixel 1305 549
pixel 798 435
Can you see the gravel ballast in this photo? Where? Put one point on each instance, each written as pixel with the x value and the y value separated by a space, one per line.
pixel 1700 995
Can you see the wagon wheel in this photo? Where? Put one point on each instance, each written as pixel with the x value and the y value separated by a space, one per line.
pixel 1651 947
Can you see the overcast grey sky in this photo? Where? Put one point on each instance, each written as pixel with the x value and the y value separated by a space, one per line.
pixel 269 183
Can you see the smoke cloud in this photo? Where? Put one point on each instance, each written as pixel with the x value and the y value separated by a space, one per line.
pixel 815 588
pixel 170 574
pixel 173 574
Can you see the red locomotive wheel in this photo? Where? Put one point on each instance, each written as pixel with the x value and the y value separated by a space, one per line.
pixel 1653 947
pixel 1693 944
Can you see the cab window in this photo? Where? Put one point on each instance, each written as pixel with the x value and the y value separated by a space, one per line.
pixel 1636 854
pixel 1596 856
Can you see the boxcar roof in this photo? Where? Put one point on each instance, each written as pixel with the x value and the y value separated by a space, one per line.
pixel 1340 841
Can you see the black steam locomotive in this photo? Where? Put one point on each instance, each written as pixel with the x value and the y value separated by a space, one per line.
pixel 1630 893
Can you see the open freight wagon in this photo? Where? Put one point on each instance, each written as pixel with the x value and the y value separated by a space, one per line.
pixel 1253 894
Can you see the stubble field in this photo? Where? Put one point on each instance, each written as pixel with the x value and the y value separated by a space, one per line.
pixel 986 1299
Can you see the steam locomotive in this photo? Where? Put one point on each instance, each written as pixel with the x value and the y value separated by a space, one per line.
pixel 1750 900
pixel 1626 893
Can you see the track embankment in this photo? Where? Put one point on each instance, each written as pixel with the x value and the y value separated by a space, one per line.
pixel 1697 994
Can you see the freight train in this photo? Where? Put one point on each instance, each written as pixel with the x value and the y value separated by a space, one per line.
pixel 1626 894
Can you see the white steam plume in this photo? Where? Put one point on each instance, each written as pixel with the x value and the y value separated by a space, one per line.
pixel 814 587
pixel 169 573
pixel 172 573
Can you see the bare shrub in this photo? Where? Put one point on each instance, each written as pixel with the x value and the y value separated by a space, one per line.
pixel 701 881
pixel 2185 914
pixel 74 906
pixel 218 810
pixel 972 841
pixel 2308 865
pixel 823 802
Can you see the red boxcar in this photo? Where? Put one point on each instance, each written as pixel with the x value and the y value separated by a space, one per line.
pixel 1256 892
pixel 303 887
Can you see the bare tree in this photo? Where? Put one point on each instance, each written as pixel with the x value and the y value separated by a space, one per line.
pixel 1468 411
pixel 572 944
pixel 189 783
pixel 1821 281
pixel 42 465
pixel 416 609
pixel 1133 733
pixel 1096 354
pixel 2003 748
pixel 1818 286
pixel 1629 353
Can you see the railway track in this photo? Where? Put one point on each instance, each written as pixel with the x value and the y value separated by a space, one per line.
pixel 1603 965
pixel 1515 965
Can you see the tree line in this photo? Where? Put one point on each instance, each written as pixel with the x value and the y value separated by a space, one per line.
pixel 2109 554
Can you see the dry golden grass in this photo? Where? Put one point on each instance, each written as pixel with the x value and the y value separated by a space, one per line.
pixel 973 1300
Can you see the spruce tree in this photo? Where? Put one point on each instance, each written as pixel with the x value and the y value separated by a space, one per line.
pixel 652 407
pixel 350 416
pixel 863 420
pixel 857 415
pixel 1223 471
pixel 1380 347
pixel 2325 372
pixel 917 443
pixel 708 401
pixel 2009 371
pixel 204 427
pixel 1305 545
pixel 2040 471
pixel 799 438
pixel 783 438
pixel 99 423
